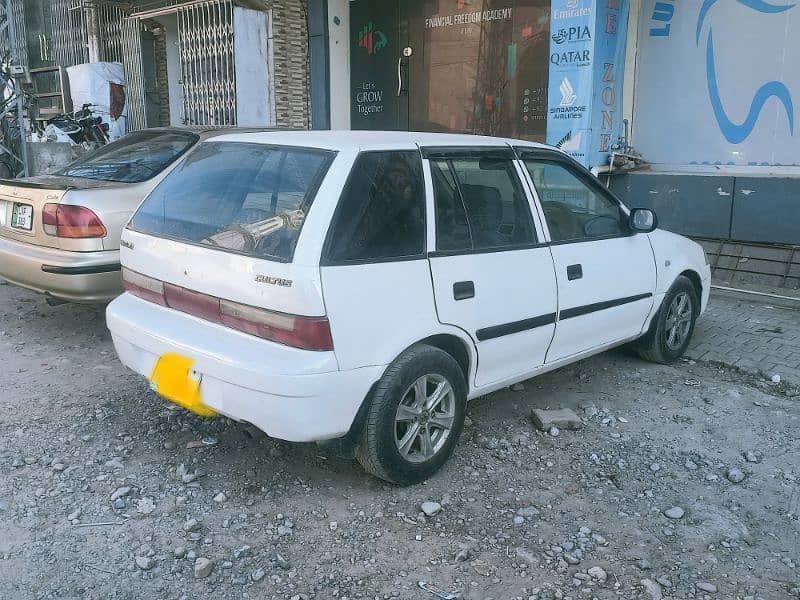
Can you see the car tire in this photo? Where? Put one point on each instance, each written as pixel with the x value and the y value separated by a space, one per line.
pixel 406 445
pixel 672 332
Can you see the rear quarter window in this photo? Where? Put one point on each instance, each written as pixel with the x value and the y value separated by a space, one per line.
pixel 238 197
pixel 381 213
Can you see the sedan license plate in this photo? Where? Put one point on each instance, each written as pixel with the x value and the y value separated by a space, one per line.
pixel 22 216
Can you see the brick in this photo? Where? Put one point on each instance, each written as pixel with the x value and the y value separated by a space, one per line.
pixel 563 418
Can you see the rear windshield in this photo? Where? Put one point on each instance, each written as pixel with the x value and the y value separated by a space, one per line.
pixel 134 158
pixel 240 197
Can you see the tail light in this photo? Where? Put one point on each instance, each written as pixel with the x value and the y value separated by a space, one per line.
pixel 143 286
pixel 306 333
pixel 70 221
pixel 197 304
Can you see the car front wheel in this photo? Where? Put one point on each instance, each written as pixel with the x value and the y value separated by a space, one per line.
pixel 415 417
pixel 674 326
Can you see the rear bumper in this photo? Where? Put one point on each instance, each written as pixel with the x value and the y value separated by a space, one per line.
pixel 290 394
pixel 73 276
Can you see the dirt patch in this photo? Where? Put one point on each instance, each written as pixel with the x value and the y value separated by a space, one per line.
pixel 107 491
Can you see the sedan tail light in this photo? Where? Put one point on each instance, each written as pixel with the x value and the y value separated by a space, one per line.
pixel 306 333
pixel 71 221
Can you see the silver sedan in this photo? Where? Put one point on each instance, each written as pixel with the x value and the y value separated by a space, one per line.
pixel 60 233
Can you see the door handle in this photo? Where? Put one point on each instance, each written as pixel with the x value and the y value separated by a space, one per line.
pixel 574 272
pixel 399 76
pixel 463 290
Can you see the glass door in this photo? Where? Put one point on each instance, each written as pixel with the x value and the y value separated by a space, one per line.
pixel 478 66
pixel 463 66
pixel 378 70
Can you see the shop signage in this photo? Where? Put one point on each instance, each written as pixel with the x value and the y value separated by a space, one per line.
pixel 734 66
pixel 611 37
pixel 368 99
pixel 572 34
pixel 570 89
pixel 585 93
pixel 373 40
pixel 469 18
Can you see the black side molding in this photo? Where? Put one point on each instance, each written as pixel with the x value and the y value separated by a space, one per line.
pixel 91 270
pixel 578 311
pixel 496 331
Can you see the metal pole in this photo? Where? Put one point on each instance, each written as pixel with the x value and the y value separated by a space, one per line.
pixel 12 42
pixel 93 32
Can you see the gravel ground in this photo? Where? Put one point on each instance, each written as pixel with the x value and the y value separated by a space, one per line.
pixel 681 483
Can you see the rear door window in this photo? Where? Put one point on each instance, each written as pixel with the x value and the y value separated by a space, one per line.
pixel 480 205
pixel 381 213
pixel 238 197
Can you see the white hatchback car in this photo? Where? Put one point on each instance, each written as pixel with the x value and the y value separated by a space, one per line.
pixel 360 287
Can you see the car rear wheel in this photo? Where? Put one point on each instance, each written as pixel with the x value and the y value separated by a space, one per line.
pixel 415 417
pixel 674 324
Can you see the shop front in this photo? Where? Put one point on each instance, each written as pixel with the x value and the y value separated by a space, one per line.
pixel 715 101
pixel 537 70
pixel 451 65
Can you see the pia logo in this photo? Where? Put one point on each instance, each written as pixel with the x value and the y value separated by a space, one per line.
pixel 736 133
pixel 372 39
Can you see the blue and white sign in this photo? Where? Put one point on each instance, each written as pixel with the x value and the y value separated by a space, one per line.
pixel 717 82
pixel 587 50
pixel 570 86
pixel 611 36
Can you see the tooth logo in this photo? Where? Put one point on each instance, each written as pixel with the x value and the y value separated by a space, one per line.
pixel 736 133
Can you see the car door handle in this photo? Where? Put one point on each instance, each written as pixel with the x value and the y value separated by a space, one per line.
pixel 463 290
pixel 574 272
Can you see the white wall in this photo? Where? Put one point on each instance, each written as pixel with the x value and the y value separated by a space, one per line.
pixel 339 47
pixel 628 87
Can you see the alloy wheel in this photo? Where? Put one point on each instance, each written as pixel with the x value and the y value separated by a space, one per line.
pixel 424 418
pixel 679 321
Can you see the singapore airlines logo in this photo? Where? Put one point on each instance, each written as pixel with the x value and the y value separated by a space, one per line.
pixel 736 133
pixel 568 96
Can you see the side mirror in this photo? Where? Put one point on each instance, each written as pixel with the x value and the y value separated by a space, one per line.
pixel 642 220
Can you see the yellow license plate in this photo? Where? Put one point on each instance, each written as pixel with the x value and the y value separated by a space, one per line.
pixel 173 377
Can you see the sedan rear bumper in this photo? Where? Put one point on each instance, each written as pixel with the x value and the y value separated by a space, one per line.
pixel 74 276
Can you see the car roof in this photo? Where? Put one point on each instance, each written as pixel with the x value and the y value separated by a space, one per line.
pixel 208 132
pixel 364 140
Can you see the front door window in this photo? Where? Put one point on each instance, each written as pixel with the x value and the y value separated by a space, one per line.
pixel 574 211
